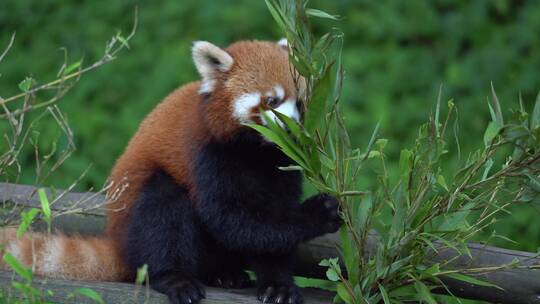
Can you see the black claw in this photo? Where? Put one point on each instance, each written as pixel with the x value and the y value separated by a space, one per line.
pixel 229 279
pixel 284 294
pixel 182 291
pixel 268 295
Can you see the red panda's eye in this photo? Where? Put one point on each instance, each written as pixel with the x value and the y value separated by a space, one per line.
pixel 271 101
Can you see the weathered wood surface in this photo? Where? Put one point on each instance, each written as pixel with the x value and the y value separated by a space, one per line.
pixel 117 293
pixel 520 285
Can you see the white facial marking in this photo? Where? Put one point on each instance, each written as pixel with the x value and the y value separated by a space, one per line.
pixel 288 108
pixel 280 92
pixel 283 43
pixel 243 106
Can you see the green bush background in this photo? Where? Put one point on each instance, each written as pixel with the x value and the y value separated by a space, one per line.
pixel 397 54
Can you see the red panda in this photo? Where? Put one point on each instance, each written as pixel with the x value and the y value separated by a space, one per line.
pixel 202 196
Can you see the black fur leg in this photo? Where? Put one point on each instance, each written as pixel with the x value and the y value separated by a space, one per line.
pixel 274 280
pixel 222 268
pixel 179 290
pixel 323 209
pixel 164 234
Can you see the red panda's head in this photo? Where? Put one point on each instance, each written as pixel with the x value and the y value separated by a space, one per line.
pixel 244 79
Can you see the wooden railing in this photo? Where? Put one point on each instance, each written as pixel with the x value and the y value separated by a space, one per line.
pixel 86 217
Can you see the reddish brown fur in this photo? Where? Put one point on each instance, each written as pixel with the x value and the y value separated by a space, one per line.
pixel 167 139
pixel 77 258
pixel 171 133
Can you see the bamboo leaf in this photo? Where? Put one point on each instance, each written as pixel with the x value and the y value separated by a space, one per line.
pixel 321 14
pixel 72 67
pixel 27 217
pixel 45 205
pixel 442 182
pixel 471 280
pixel 90 294
pixel 317 104
pixel 344 293
pixel 384 294
pixel 16 266
pixel 495 107
pixel 142 274
pixel 27 84
pixel 275 138
pixel 493 129
pixel 535 116
pixel 424 293
pixel 291 125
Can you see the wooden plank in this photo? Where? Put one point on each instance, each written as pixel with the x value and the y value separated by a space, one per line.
pixel 87 203
pixel 520 285
pixel 130 293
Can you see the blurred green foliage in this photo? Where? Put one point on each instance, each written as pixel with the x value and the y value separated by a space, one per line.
pixel 396 55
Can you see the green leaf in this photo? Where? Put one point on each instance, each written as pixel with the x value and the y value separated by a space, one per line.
pixel 384 294
pixel 321 14
pixel 493 129
pixel 349 255
pixel 25 273
pixel 405 161
pixel 275 138
pixel 27 84
pixel 471 280
pixel 291 125
pixel 142 274
pixel 344 293
pixel 442 182
pixel 487 167
pixel 363 213
pixel 45 205
pixel 325 263
pixel 381 143
pixel 535 116
pixel 456 220
pixel 27 217
pixel 72 67
pixel 424 293
pixel 332 275
pixel 303 282
pixel 317 105
pixel 90 294
pixel 277 14
pixel 495 107
pixel 430 272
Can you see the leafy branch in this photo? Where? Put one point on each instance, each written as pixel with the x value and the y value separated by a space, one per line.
pixel 430 207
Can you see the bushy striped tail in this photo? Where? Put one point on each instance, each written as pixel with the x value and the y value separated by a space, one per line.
pixel 67 257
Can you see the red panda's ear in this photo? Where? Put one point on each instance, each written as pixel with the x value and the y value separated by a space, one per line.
pixel 210 60
pixel 283 43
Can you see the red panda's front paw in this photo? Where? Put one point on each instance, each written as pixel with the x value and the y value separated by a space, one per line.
pixel 185 292
pixel 323 213
pixel 280 294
